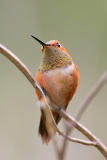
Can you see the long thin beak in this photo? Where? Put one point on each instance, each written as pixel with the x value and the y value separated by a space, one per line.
pixel 41 42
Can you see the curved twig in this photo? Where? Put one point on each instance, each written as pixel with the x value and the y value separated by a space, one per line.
pixel 76 140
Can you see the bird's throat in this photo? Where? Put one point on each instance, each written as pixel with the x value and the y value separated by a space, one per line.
pixel 54 61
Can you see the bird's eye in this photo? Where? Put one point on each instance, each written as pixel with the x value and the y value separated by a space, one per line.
pixel 58 45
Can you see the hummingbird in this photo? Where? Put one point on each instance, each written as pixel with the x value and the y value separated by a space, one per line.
pixel 58 77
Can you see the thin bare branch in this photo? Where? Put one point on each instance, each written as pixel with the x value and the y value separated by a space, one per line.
pixel 56 148
pixel 99 145
pixel 76 140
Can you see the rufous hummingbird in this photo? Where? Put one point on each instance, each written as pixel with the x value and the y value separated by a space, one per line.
pixel 58 77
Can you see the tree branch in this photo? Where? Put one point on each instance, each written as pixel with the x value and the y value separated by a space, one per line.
pixel 98 144
pixel 76 140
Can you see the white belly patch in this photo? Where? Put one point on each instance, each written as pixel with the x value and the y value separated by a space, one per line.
pixel 68 70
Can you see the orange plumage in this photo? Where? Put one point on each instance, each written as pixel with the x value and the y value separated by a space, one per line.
pixel 58 77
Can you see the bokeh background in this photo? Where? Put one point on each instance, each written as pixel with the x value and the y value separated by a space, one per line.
pixel 81 26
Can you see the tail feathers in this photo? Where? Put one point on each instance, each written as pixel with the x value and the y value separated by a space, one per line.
pixel 43 132
pixel 46 130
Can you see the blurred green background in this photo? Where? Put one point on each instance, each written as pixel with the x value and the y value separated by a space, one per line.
pixel 81 26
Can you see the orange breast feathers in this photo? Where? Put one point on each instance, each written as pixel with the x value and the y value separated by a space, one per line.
pixel 59 84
